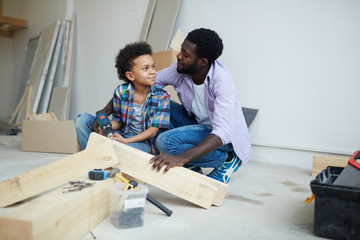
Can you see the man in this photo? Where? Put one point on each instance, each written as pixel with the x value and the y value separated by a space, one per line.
pixel 209 127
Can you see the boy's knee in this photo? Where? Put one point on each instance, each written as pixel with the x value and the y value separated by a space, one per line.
pixel 81 119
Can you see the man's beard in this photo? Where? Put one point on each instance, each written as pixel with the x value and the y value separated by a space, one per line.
pixel 189 70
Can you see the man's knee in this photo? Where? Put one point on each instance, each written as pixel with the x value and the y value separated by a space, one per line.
pixel 160 142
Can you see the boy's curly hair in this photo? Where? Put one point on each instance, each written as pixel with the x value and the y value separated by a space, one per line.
pixel 124 61
pixel 208 43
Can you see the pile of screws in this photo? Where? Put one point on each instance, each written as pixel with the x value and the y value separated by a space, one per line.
pixel 77 186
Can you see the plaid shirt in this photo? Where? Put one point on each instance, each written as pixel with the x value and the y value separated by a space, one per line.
pixel 157 105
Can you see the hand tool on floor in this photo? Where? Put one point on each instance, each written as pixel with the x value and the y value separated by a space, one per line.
pixel 132 184
pixel 105 123
pixel 98 174
pixel 350 176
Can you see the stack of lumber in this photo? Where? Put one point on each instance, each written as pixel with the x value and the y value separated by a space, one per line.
pixel 59 215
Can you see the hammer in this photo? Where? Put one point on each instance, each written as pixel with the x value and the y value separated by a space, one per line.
pixel 115 172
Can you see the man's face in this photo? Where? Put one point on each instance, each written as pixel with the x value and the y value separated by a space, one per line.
pixel 187 61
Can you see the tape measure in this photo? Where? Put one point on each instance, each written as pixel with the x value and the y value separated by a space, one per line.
pixel 98 174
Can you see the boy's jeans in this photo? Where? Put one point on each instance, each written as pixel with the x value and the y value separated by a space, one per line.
pixel 185 134
pixel 84 125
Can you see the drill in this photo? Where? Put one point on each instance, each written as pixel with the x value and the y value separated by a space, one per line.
pixel 104 123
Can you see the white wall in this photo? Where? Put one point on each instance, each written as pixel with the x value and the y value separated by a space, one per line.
pixel 103 28
pixel 298 62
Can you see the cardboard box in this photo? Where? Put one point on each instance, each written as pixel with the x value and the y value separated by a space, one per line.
pixel 49 136
pixel 163 60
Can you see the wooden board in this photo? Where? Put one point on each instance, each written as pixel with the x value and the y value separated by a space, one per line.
pixel 58 215
pixel 58 98
pixel 39 67
pixel 162 24
pixel 49 48
pixel 179 181
pixel 69 66
pixel 55 174
pixel 147 21
pixel 48 87
pixel 322 162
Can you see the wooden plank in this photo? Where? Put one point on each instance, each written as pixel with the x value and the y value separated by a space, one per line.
pixel 58 215
pixel 13 21
pixel 322 162
pixel 19 104
pixel 181 182
pixel 58 98
pixel 147 21
pixel 49 55
pixel 48 87
pixel 162 24
pixel 55 174
pixel 39 67
pixel 69 66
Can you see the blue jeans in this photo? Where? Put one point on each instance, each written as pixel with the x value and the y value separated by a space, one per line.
pixel 185 134
pixel 84 126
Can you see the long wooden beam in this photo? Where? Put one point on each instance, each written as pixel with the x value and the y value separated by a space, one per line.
pixel 194 187
pixel 58 215
pixel 55 174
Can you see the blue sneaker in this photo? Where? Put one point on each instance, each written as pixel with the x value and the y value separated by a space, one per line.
pixel 193 168
pixel 224 172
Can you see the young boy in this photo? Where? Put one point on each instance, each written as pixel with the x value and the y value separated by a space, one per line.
pixel 140 108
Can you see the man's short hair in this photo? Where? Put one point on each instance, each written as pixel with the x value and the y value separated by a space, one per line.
pixel 125 59
pixel 208 43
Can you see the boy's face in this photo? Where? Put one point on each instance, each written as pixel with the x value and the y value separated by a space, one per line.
pixel 143 71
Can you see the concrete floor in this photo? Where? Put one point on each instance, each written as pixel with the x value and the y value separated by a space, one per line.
pixel 263 202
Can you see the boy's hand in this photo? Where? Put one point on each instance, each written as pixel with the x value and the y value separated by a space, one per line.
pixel 119 138
pixel 166 159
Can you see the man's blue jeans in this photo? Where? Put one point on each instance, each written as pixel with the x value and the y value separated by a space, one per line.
pixel 84 126
pixel 185 134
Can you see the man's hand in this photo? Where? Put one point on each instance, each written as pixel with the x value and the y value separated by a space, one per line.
pixel 166 159
pixel 96 126
pixel 210 143
pixel 108 111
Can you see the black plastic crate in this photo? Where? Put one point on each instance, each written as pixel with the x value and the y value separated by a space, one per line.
pixel 337 208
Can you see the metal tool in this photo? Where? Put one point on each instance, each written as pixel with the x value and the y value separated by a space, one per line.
pixel 105 124
pixel 77 186
pixel 115 172
pixel 350 176
pixel 98 174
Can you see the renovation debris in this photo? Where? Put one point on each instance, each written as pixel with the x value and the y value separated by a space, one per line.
pixel 6 129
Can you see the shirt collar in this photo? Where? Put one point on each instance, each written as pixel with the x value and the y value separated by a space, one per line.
pixel 152 89
pixel 210 73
